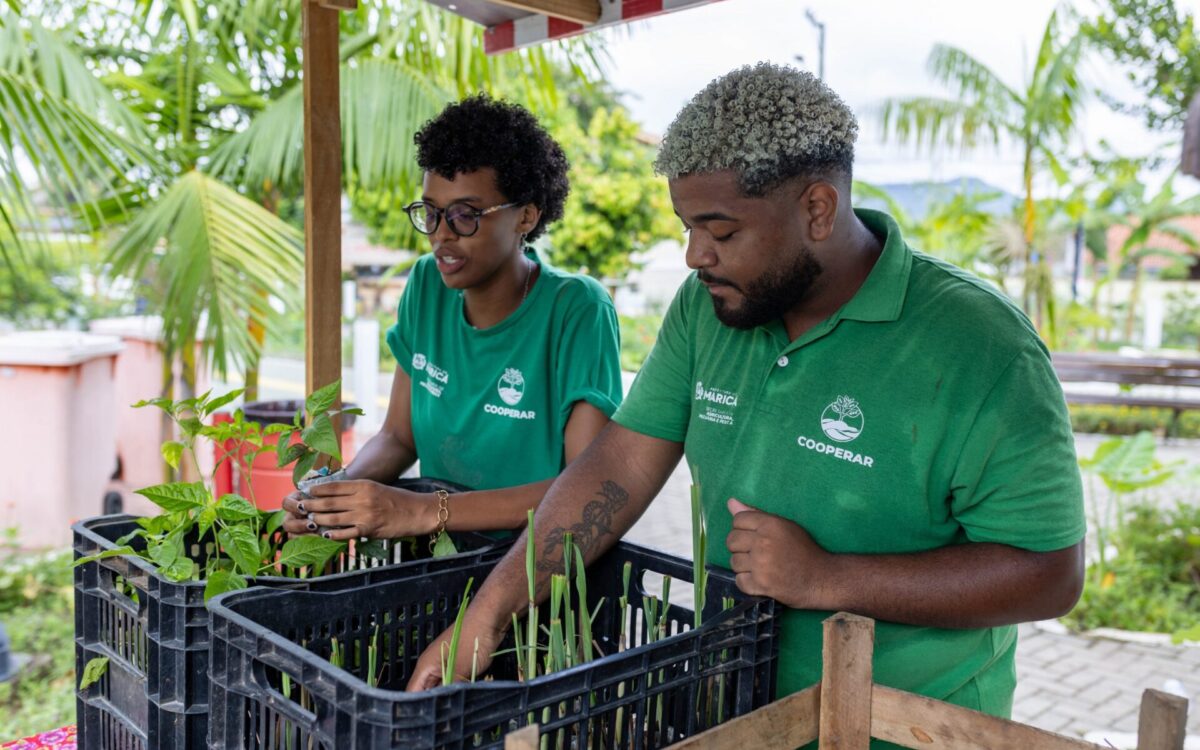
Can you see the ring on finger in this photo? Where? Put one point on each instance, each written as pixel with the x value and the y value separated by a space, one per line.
pixel 311 516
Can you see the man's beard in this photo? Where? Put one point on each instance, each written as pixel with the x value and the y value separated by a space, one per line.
pixel 770 295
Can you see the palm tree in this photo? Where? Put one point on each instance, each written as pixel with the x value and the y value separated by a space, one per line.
pixel 1040 118
pixel 178 123
pixel 1148 220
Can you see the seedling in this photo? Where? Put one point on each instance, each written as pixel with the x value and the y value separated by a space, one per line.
pixel 240 540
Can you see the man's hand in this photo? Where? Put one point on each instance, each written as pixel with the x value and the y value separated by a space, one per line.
pixel 775 557
pixel 362 508
pixel 427 673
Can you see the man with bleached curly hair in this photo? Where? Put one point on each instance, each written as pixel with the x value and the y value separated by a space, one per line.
pixel 872 430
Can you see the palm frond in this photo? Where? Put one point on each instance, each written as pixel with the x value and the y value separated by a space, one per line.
pixel 72 157
pixel 383 104
pixel 863 190
pixel 1182 234
pixel 970 79
pixel 36 53
pixel 1056 93
pixel 211 249
pixel 933 122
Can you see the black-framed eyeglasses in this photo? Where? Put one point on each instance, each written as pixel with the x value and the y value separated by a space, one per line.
pixel 462 219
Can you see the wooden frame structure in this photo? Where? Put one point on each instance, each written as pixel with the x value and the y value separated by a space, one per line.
pixel 847 709
pixel 510 24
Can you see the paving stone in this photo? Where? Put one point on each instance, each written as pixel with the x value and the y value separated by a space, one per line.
pixel 1099 692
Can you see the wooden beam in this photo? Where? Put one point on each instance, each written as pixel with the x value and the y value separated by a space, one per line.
pixel 915 721
pixel 586 12
pixel 1162 721
pixel 322 198
pixel 339 4
pixel 846 682
pixel 785 724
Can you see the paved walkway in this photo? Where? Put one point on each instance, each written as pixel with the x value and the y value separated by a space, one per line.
pixel 1075 685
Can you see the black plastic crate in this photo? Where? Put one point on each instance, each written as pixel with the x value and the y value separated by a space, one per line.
pixel 155 633
pixel 273 687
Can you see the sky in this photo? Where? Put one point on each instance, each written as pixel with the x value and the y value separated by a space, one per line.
pixel 874 49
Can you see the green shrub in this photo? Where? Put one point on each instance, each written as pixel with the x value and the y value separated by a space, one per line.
pixel 637 338
pixel 1130 420
pixel 36 598
pixel 1151 576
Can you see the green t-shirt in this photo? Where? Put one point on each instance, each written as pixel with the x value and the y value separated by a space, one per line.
pixel 489 406
pixel 923 413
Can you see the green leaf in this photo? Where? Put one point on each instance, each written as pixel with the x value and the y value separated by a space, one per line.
pixel 93 671
pixel 235 508
pixel 165 553
pixel 373 548
pixel 288 453
pixel 172 450
pixel 220 401
pixel 444 546
pixel 321 437
pixel 303 466
pixel 322 399
pixel 206 519
pixel 165 404
pixel 104 555
pixel 191 426
pixel 182 569
pixel 274 522
pixel 241 544
pixel 221 581
pixel 276 428
pixel 313 551
pixel 176 496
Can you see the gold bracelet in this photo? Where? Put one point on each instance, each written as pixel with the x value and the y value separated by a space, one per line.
pixel 443 516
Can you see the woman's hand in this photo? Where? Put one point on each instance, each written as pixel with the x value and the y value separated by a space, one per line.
pixel 359 507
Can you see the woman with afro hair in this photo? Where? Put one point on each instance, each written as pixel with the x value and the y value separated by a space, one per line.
pixel 508 366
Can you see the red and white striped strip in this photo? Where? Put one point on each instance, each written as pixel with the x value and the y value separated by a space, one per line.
pixel 536 28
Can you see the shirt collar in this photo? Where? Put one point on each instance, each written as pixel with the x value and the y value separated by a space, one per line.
pixel 881 297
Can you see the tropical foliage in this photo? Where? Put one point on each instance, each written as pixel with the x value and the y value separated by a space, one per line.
pixel 617 206
pixel 1039 117
pixel 175 128
pixel 1157 46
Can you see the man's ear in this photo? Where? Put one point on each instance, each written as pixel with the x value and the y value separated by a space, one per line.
pixel 820 203
pixel 530 214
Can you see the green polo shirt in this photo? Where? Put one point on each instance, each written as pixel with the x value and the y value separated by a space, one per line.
pixel 923 413
pixel 489 406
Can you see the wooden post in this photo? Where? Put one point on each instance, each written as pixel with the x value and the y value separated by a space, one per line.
pixel 322 198
pixel 1162 721
pixel 525 738
pixel 846 682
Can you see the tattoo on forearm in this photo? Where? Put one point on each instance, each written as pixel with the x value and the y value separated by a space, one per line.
pixel 596 524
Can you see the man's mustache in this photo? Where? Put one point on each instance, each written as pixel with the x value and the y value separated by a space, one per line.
pixel 708 278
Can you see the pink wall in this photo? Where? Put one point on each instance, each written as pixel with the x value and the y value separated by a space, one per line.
pixel 57 443
pixel 139 431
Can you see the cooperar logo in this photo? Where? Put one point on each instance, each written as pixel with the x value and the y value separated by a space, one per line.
pixel 511 386
pixel 842 420
pixel 419 361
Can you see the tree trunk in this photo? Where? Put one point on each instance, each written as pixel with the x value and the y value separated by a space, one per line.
pixel 166 425
pixel 1135 294
pixel 187 386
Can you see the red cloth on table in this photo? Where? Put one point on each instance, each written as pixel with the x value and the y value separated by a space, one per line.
pixel 62 738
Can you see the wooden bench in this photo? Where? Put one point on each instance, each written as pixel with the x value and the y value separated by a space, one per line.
pixel 1131 371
